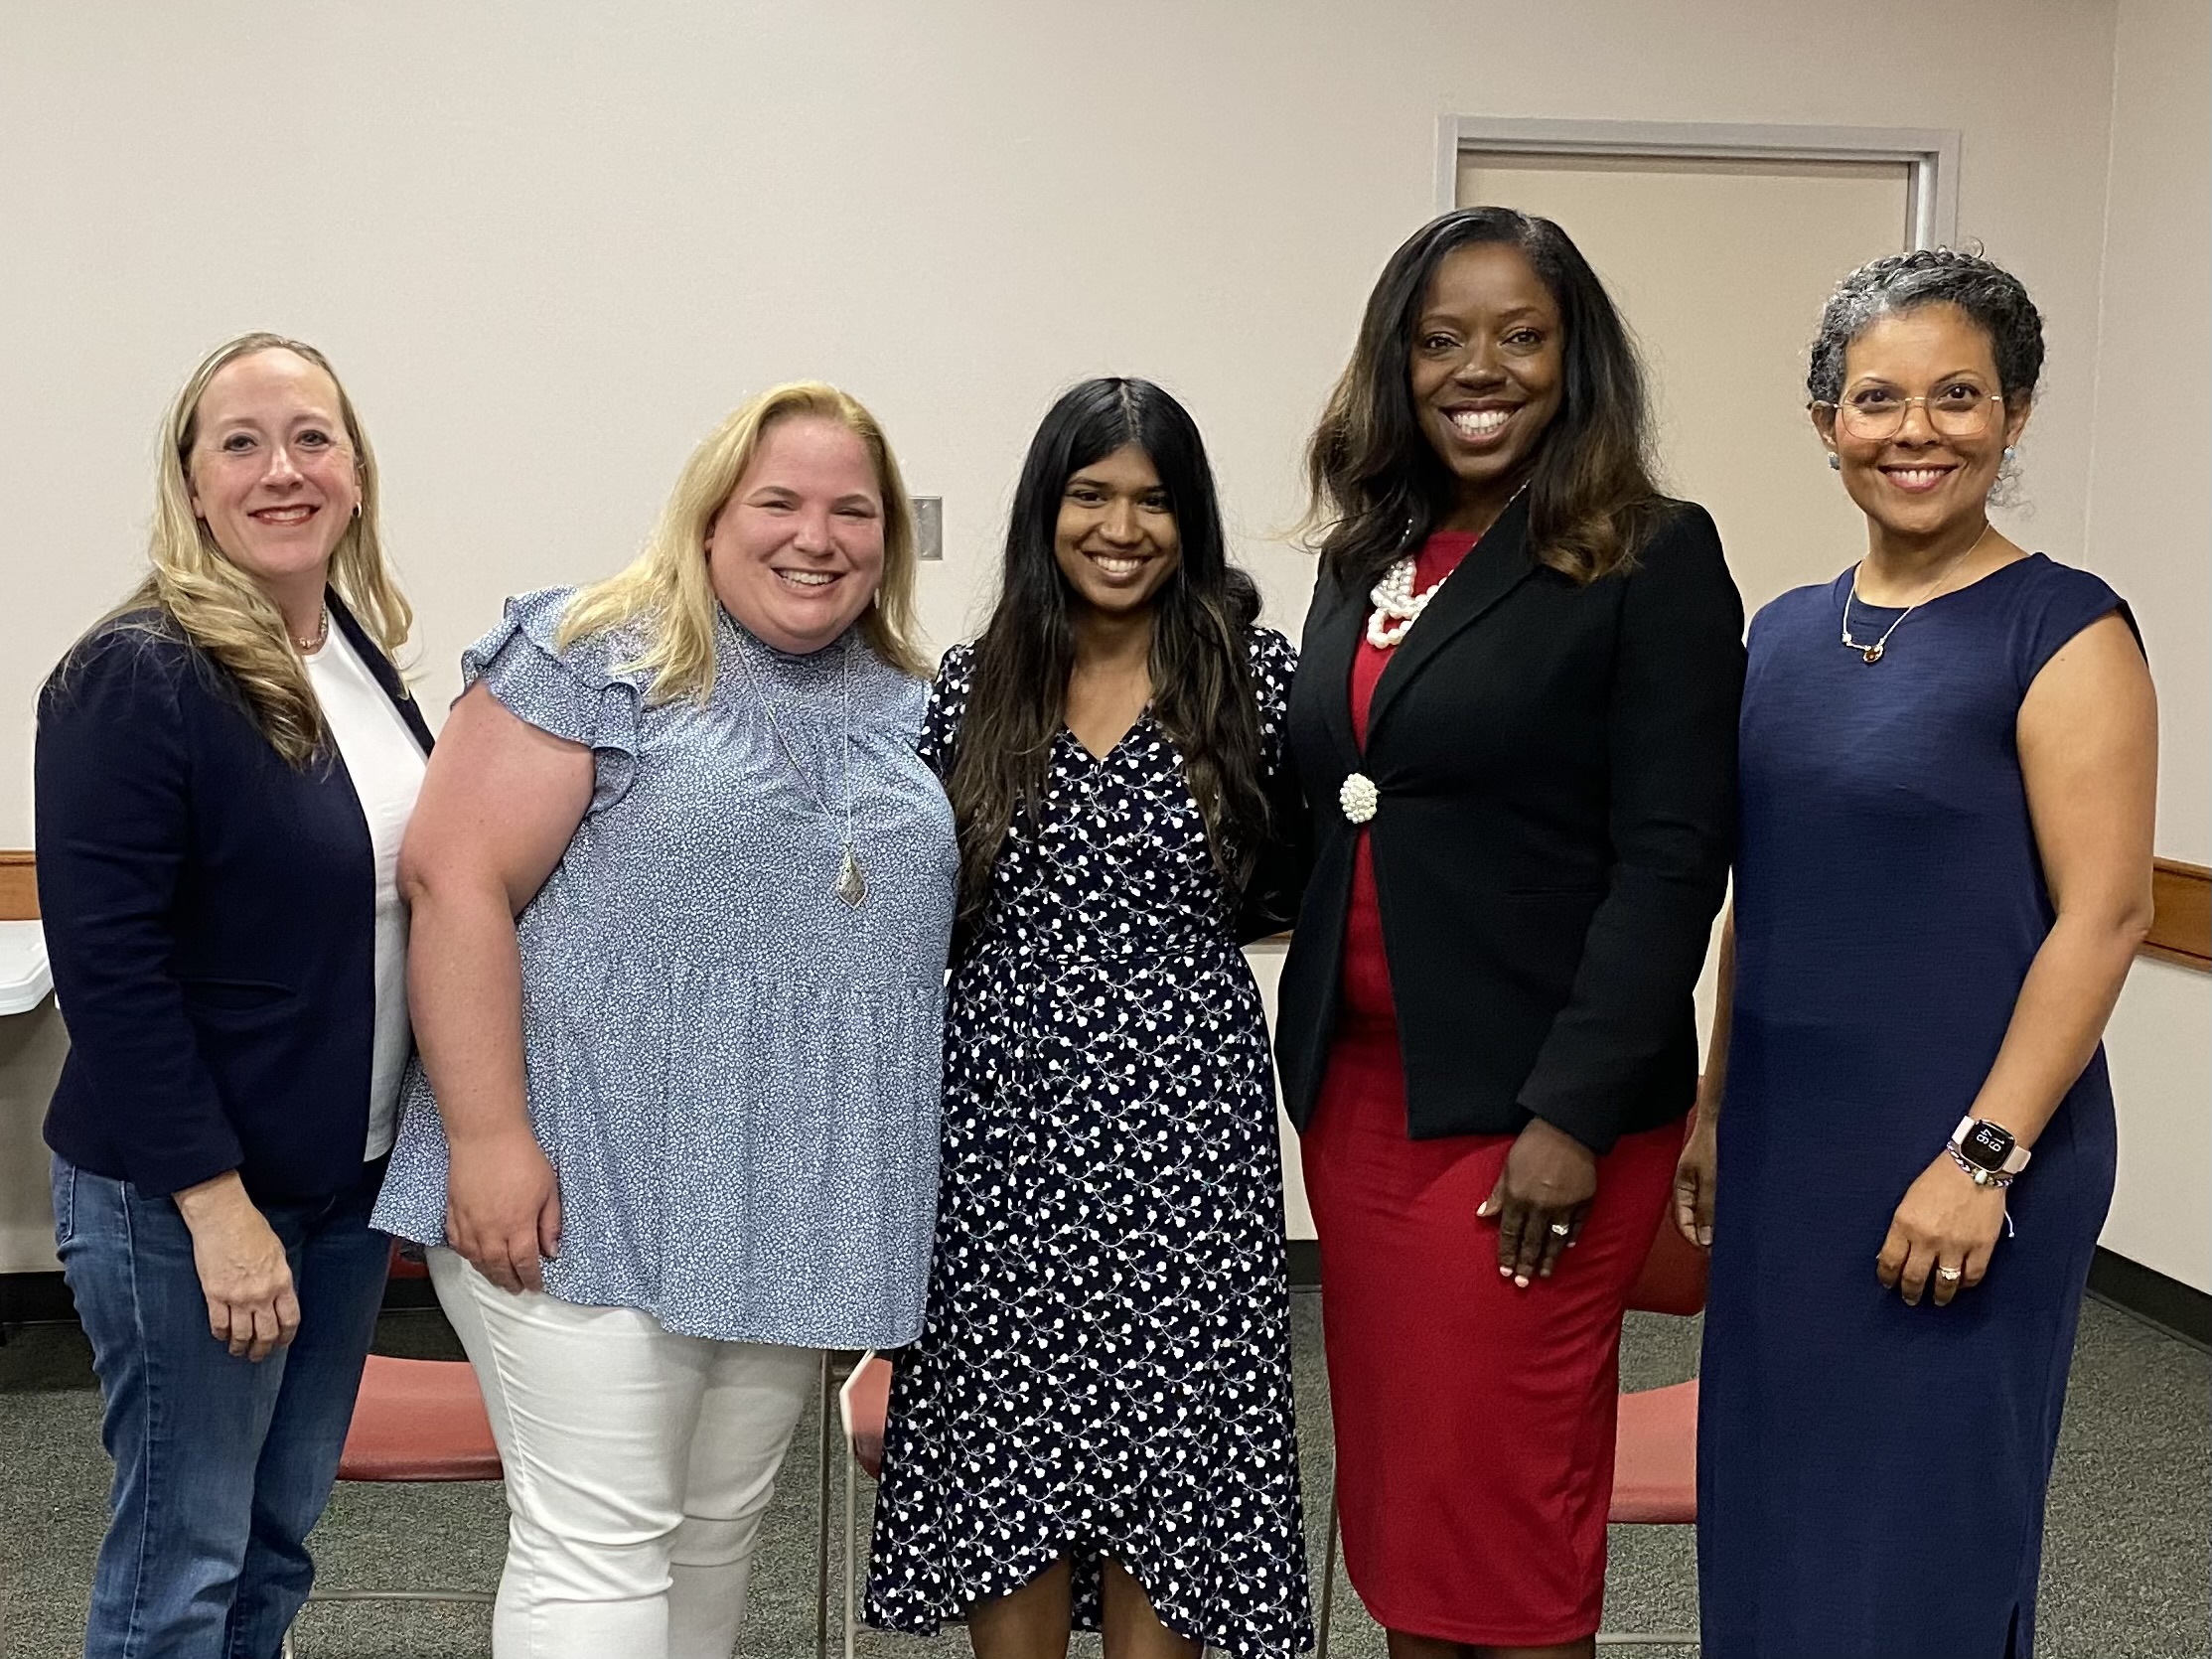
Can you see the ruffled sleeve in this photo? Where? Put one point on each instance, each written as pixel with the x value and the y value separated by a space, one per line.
pixel 575 691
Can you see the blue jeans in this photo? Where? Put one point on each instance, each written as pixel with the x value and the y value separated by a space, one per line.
pixel 222 1465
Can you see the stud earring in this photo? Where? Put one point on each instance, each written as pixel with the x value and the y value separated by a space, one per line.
pixel 2011 454
pixel 1835 462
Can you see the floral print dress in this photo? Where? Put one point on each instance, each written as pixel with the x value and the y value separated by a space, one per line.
pixel 1104 1370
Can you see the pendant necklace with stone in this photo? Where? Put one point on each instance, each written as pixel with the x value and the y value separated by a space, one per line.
pixel 1871 650
pixel 851 884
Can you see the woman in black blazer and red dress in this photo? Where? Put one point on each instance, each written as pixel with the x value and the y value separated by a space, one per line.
pixel 224 769
pixel 1515 729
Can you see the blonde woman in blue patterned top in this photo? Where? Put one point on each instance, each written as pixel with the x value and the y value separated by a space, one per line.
pixel 682 892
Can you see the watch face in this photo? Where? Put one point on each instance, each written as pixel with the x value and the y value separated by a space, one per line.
pixel 1986 1146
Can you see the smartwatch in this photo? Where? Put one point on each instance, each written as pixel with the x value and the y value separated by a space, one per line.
pixel 1987 1150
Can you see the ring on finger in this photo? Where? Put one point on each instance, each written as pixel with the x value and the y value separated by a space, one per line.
pixel 1951 1274
pixel 1560 1229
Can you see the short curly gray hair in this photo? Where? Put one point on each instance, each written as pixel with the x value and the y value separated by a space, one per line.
pixel 1990 296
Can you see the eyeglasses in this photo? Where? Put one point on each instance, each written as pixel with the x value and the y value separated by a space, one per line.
pixel 1875 414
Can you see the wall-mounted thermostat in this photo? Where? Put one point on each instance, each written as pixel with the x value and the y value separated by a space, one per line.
pixel 929 527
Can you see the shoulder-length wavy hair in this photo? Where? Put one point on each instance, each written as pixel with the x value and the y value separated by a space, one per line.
pixel 1377 487
pixel 195 587
pixel 667 593
pixel 1202 695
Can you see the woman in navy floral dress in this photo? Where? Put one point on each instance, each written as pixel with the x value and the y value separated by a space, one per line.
pixel 1096 1428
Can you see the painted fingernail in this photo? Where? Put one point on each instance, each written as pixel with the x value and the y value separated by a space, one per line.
pixel 1521 1280
pixel 1505 1272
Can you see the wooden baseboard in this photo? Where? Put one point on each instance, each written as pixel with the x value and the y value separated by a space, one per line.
pixel 2181 931
pixel 19 886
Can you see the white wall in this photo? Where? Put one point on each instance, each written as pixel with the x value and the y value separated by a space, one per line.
pixel 2149 522
pixel 550 246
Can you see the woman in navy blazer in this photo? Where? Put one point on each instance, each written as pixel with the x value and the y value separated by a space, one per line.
pixel 223 770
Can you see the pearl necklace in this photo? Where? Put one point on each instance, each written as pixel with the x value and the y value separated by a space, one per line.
pixel 1397 606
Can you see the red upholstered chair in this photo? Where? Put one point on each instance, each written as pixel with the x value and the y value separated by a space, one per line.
pixel 415 1420
pixel 1655 1457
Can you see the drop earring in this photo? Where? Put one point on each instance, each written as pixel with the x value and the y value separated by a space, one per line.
pixel 2011 454
pixel 1835 462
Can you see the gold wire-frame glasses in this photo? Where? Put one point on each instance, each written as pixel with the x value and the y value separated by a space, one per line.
pixel 1959 410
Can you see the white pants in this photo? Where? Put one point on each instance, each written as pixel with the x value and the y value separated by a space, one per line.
pixel 639 1464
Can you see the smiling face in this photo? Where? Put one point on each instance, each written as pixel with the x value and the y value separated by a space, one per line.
pixel 1922 484
pixel 1116 537
pixel 796 551
pixel 1487 372
pixel 272 474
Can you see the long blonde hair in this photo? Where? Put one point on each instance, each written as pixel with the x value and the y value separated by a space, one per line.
pixel 221 609
pixel 666 590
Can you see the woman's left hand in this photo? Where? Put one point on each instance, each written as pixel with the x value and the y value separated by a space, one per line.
pixel 1945 1230
pixel 1540 1200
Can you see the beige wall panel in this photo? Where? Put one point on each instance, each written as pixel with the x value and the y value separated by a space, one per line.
pixel 2151 536
pixel 2160 1048
pixel 1721 270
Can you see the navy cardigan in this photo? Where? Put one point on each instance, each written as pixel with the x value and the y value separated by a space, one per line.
pixel 211 914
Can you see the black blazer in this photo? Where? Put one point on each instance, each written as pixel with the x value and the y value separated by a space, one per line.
pixel 1557 765
pixel 211 914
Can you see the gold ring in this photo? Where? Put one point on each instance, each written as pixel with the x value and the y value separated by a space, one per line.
pixel 1950 1272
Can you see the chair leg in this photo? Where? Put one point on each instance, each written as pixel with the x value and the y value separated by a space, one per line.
pixel 821 1533
pixel 852 1551
pixel 1328 1575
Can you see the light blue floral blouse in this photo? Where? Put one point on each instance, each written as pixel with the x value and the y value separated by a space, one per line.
pixel 735 1074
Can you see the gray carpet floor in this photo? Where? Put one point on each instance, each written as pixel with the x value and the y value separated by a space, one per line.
pixel 2126 1570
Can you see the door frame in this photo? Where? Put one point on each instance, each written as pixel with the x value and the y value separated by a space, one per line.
pixel 1930 155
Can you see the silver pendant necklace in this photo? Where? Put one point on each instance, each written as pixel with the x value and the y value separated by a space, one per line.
pixel 1871 650
pixel 851 884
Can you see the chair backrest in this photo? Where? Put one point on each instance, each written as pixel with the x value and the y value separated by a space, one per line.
pixel 1673 1280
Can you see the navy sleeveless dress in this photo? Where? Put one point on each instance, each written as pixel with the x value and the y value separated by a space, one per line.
pixel 1872 1475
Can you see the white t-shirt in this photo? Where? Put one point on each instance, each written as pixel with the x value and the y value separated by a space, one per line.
pixel 385 764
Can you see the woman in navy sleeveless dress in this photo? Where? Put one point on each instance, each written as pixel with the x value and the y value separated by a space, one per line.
pixel 1943 875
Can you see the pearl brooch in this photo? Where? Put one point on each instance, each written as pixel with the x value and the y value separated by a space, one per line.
pixel 1359 797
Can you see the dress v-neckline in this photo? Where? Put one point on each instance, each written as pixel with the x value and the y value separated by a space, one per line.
pixel 1092 755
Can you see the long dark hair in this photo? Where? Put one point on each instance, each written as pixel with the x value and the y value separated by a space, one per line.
pixel 1200 673
pixel 1377 487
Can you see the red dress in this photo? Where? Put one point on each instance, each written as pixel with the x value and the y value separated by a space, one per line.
pixel 1474 1422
